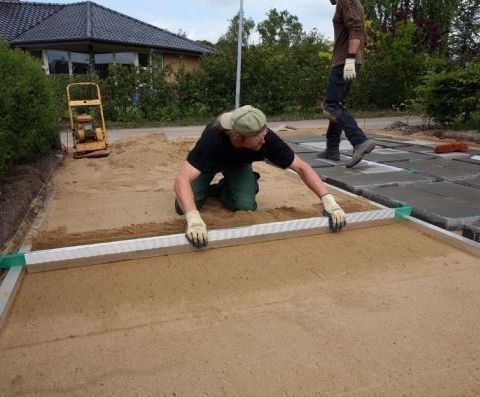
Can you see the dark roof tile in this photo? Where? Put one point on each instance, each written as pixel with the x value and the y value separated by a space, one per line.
pixel 86 21
pixel 16 18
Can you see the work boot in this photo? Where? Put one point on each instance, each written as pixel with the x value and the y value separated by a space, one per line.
pixel 257 177
pixel 361 150
pixel 333 155
pixel 215 188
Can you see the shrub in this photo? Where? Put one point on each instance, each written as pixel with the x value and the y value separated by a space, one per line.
pixel 451 96
pixel 28 112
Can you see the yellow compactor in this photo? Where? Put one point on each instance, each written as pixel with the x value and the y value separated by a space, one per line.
pixel 87 124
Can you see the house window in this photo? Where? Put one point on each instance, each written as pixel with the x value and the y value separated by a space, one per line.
pixel 101 64
pixel 58 62
pixel 79 62
pixel 144 60
pixel 125 58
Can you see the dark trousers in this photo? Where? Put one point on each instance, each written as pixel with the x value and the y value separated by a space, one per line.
pixel 334 104
pixel 238 190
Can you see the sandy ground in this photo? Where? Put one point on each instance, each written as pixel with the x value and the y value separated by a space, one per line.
pixel 130 195
pixel 378 311
pixel 385 310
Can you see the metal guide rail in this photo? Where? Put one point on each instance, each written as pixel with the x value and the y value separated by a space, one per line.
pixel 61 258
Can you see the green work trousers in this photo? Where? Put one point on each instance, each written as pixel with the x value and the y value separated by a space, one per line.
pixel 238 188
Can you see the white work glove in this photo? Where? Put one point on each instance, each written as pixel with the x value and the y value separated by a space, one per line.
pixel 349 72
pixel 336 216
pixel 196 229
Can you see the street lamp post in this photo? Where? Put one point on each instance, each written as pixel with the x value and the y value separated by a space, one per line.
pixel 239 55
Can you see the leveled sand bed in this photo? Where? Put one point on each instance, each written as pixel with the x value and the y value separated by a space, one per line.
pixel 379 311
pixel 130 195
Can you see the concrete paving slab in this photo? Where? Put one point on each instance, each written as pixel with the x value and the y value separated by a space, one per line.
pixel 418 148
pixel 472 232
pixel 474 182
pixel 357 182
pixel 389 138
pixel 447 156
pixel 389 144
pixel 452 156
pixel 313 160
pixel 447 170
pixel 453 191
pixel 471 159
pixel 306 138
pixel 443 204
pixel 322 145
pixel 300 149
pixel 389 155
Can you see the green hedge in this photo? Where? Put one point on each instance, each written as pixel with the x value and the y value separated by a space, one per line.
pixel 451 96
pixel 28 109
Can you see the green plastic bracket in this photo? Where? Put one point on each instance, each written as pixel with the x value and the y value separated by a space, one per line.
pixel 402 212
pixel 12 260
pixel 409 170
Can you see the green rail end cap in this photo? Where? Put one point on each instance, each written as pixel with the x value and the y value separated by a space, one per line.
pixel 402 212
pixel 12 260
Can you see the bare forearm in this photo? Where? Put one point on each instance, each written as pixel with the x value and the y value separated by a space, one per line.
pixel 184 194
pixel 312 180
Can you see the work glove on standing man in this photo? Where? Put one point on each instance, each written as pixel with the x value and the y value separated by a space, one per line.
pixel 336 216
pixel 349 72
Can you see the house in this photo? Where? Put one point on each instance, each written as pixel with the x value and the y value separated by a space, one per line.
pixel 79 38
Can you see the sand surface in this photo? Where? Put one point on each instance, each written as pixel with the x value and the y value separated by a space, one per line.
pixel 130 195
pixel 378 311
pixel 385 310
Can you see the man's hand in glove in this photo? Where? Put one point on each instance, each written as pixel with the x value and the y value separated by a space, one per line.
pixel 196 229
pixel 349 72
pixel 336 216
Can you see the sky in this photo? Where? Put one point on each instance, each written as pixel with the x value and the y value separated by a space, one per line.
pixel 209 19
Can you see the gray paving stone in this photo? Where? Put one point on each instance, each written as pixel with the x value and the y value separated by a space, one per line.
pixel 389 144
pixel 419 149
pixel 390 155
pixel 447 170
pixel 474 182
pixel 356 181
pixel 313 160
pixel 451 190
pixel 389 138
pixel 451 156
pixel 344 145
pixel 300 149
pixel 472 232
pixel 306 138
pixel 471 159
pixel 443 204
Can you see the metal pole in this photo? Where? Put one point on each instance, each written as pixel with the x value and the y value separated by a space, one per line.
pixel 239 55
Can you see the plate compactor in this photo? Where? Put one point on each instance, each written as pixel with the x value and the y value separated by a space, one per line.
pixel 87 124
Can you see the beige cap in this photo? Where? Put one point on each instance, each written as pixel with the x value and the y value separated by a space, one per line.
pixel 245 120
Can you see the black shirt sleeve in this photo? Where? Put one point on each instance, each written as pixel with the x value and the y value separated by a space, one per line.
pixel 277 151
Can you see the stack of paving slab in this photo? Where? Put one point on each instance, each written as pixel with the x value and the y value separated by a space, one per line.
pixel 443 189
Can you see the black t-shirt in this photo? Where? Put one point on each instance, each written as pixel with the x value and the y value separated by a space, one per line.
pixel 214 148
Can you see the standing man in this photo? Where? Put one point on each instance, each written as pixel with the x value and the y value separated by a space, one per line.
pixel 348 24
pixel 230 145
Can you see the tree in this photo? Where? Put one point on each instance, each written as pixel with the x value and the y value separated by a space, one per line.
pixel 280 28
pixel 232 32
pixel 464 42
pixel 433 19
